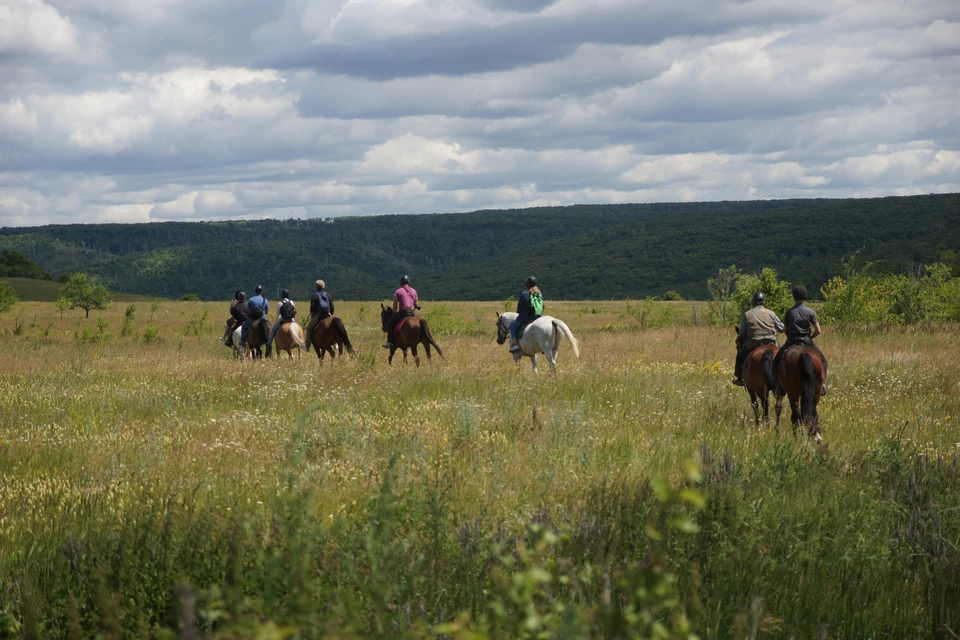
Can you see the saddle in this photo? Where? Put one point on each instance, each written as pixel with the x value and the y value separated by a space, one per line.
pixel 523 328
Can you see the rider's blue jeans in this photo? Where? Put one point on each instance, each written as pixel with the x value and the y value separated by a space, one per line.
pixel 273 331
pixel 519 322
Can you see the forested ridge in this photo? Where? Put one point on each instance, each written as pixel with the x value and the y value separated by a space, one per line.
pixel 578 252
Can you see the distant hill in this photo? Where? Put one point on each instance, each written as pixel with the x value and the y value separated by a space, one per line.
pixel 31 290
pixel 578 252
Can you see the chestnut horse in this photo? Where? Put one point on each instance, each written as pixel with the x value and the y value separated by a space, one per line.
pixel 801 377
pixel 413 331
pixel 289 338
pixel 760 380
pixel 330 333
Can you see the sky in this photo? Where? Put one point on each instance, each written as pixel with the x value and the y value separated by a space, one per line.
pixel 154 110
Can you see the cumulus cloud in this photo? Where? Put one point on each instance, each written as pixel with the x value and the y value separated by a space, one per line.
pixel 33 28
pixel 178 110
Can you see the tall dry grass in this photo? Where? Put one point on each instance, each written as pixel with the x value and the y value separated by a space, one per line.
pixel 130 465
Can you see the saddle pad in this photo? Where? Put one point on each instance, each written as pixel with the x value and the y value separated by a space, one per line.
pixel 396 329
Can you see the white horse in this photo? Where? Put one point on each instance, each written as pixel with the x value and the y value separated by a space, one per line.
pixel 235 336
pixel 543 335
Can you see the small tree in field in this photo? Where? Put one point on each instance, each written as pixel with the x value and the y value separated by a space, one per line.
pixel 80 290
pixel 8 296
pixel 721 287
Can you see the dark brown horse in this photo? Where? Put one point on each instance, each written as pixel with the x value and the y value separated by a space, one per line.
pixel 330 333
pixel 801 376
pixel 413 331
pixel 760 380
pixel 256 339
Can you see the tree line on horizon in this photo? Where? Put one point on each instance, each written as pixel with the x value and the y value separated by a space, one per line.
pixel 579 252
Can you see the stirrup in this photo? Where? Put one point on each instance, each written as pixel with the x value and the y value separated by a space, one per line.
pixel 387 345
pixel 737 381
pixel 515 348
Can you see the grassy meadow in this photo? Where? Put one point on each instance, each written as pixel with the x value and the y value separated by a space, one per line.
pixel 151 486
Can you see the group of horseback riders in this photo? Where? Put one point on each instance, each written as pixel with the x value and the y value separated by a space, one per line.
pixel 249 313
pixel 252 313
pixel 759 326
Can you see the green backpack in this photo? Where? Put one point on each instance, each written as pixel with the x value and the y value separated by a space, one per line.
pixel 536 304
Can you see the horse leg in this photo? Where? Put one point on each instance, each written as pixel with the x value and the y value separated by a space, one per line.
pixel 778 407
pixel 416 356
pixel 795 417
pixel 426 347
pixel 390 357
pixel 765 401
pixel 533 361
pixel 333 354
pixel 756 409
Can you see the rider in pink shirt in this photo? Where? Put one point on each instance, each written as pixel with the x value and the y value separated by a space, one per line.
pixel 404 303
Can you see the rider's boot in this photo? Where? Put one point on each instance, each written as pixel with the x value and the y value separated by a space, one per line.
pixel 737 381
pixel 514 346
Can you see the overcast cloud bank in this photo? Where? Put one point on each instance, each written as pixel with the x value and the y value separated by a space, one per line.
pixel 141 110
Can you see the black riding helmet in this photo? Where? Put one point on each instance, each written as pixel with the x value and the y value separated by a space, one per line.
pixel 799 292
pixel 284 293
pixel 241 296
pixel 531 282
pixel 759 298
pixel 404 279
pixel 258 290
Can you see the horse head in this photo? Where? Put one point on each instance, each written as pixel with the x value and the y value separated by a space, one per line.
pixel 385 313
pixel 503 329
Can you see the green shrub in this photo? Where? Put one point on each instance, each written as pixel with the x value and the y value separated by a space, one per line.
pixel 151 334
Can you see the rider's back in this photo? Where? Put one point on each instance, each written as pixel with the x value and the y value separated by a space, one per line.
pixel 761 324
pixel 799 321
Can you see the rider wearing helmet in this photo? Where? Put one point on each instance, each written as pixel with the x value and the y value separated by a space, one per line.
pixel 238 314
pixel 802 328
pixel 321 307
pixel 405 301
pixel 759 326
pixel 526 313
pixel 286 312
pixel 257 308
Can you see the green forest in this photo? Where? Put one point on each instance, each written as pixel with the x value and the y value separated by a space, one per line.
pixel 577 252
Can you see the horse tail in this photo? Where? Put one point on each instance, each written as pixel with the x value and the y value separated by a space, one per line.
pixel 560 324
pixel 338 324
pixel 425 328
pixel 769 375
pixel 808 387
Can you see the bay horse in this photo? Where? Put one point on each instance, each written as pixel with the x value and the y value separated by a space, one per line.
pixel 543 335
pixel 801 376
pixel 411 331
pixel 289 338
pixel 330 333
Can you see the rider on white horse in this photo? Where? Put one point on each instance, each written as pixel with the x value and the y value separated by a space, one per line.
pixel 527 312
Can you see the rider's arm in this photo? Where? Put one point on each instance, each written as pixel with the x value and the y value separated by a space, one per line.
pixel 816 330
pixel 396 303
pixel 778 324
